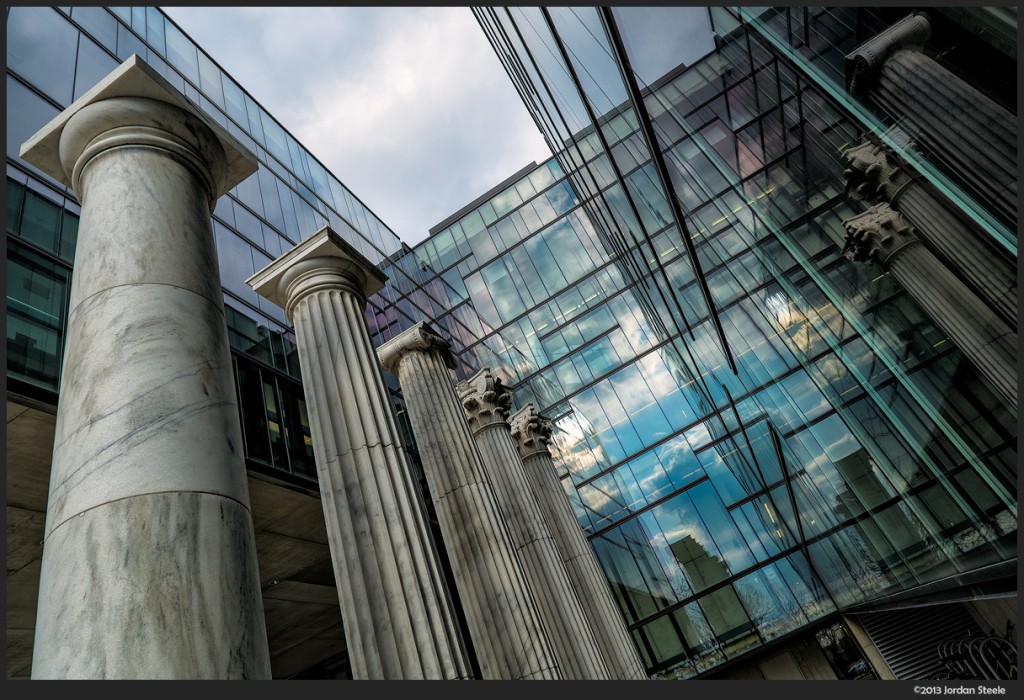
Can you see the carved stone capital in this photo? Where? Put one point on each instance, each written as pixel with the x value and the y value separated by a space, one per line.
pixel 324 261
pixel 863 63
pixel 531 432
pixel 874 171
pixel 878 235
pixel 485 399
pixel 419 338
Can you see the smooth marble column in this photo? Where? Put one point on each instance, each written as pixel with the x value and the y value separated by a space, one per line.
pixel 508 633
pixel 486 401
pixel 398 617
pixel 531 434
pixel 149 558
pixel 884 236
pixel 874 171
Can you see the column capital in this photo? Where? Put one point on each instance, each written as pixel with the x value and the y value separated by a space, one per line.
pixel 135 106
pixel 873 170
pixel 321 262
pixel 863 63
pixel 878 235
pixel 531 432
pixel 420 338
pixel 485 400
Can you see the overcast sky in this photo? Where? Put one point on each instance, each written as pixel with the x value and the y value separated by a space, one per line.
pixel 408 106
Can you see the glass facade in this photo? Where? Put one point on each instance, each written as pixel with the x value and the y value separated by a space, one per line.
pixel 755 432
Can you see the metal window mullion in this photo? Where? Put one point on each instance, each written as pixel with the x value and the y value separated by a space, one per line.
pixel 618 172
pixel 627 259
pixel 658 160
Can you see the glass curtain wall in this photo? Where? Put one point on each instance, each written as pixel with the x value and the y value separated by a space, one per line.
pixel 755 432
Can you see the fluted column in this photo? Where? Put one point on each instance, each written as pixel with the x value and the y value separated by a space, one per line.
pixel 877 172
pixel 149 557
pixel 509 636
pixel 532 434
pixel 486 401
pixel 398 618
pixel 973 136
pixel 884 236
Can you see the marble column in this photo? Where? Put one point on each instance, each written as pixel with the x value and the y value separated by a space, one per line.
pixel 531 434
pixel 486 402
pixel 884 236
pixel 508 633
pixel 149 558
pixel 973 137
pixel 874 171
pixel 399 621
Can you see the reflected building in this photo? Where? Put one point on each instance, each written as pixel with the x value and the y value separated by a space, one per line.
pixel 774 442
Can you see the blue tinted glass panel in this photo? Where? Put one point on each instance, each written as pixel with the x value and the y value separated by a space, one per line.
pixel 27 112
pixel 181 53
pixel 209 80
pixel 93 65
pixel 236 264
pixel 128 44
pixel 234 100
pixel 42 47
pixel 155 30
pixel 99 23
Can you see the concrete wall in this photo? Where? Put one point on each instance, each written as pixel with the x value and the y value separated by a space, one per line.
pixel 992 614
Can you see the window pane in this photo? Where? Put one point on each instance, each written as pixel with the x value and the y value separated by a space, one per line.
pixel 128 44
pixel 181 53
pixel 36 316
pixel 40 222
pixel 99 23
pixel 41 47
pixel 69 236
pixel 93 65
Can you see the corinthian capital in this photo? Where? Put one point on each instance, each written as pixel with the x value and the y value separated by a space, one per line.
pixel 874 170
pixel 419 338
pixel 531 432
pixel 485 399
pixel 878 235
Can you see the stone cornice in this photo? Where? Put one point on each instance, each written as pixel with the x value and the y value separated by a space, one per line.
pixel 531 432
pixel 486 400
pixel 878 235
pixel 419 338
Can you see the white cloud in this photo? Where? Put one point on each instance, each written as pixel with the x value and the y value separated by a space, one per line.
pixel 409 107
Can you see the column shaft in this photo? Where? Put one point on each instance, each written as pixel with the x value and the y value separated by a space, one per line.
pixel 883 235
pixel 975 138
pixel 560 607
pixel 398 622
pixel 588 579
pixel 508 633
pixel 970 324
pixel 149 558
pixel 985 269
pixel 398 617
